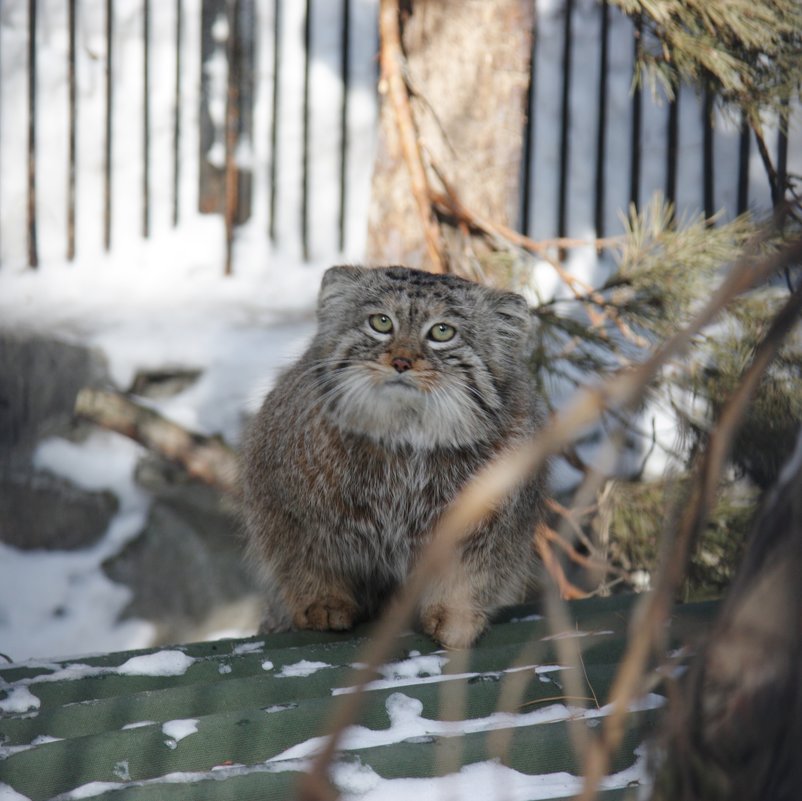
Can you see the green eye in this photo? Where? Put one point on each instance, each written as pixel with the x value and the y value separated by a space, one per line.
pixel 381 323
pixel 442 332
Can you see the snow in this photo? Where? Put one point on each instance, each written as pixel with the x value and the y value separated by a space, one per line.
pixel 161 663
pixel 407 721
pixel 414 667
pixel 9 794
pixel 487 780
pixel 248 648
pixel 416 672
pixel 300 669
pixel 19 700
pixel 177 730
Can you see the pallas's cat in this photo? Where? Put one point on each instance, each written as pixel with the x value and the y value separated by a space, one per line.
pixel 411 384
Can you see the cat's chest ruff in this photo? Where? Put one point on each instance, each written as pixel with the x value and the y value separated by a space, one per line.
pixel 402 491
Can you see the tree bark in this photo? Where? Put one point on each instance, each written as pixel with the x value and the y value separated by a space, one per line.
pixel 467 70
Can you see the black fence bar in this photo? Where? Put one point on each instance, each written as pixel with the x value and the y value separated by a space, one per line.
pixel 345 78
pixel 305 134
pixel 636 121
pixel 179 35
pixel 529 136
pixel 273 170
pixel 33 249
pixel 107 165
pixel 72 146
pixel 222 196
pixel 744 143
pixel 672 148
pixel 601 126
pixel 232 124
pixel 146 118
pixel 708 166
pixel 782 154
pixel 565 122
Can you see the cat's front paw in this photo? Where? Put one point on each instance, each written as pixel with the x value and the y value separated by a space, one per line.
pixel 453 627
pixel 328 613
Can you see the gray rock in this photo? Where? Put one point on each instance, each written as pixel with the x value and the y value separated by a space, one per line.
pixel 39 380
pixel 187 563
pixel 41 511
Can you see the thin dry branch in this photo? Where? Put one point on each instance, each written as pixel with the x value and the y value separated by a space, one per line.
pixel 598 308
pixel 448 203
pixel 208 459
pixel 589 562
pixel 543 539
pixel 393 66
pixel 498 479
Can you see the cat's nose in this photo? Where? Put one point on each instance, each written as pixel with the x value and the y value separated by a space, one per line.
pixel 401 364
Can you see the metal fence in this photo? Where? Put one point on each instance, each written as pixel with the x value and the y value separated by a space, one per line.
pixel 140 114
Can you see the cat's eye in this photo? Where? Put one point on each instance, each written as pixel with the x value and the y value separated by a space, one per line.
pixel 381 323
pixel 442 332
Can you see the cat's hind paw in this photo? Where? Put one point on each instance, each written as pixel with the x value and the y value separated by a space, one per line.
pixel 325 614
pixel 453 627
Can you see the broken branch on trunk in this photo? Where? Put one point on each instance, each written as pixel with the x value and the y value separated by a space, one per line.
pixel 205 458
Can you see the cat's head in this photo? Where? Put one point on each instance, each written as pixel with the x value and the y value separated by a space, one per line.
pixel 410 357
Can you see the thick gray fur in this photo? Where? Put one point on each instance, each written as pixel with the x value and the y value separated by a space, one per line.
pixel 350 462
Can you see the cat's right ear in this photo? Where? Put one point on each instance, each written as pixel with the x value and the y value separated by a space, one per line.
pixel 337 282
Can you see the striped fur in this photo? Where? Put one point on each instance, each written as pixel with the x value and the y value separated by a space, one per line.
pixel 367 438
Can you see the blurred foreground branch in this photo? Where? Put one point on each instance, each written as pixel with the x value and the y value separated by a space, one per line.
pixel 648 621
pixel 621 392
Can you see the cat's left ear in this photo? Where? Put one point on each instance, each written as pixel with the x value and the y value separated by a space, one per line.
pixel 513 316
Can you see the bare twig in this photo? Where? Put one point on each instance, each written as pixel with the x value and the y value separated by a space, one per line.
pixel 449 203
pixel 393 83
pixel 567 590
pixel 208 459
pixel 551 536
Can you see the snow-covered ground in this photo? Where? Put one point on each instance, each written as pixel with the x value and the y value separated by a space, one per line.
pixel 165 303
pixel 237 331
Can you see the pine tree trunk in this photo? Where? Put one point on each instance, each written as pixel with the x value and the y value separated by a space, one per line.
pixel 468 73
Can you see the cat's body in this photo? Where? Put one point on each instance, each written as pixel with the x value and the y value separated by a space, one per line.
pixel 412 383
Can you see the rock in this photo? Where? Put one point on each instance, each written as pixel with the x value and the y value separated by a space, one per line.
pixel 187 564
pixel 39 380
pixel 41 511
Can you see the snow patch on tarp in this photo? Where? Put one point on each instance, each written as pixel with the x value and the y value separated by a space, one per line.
pixel 161 663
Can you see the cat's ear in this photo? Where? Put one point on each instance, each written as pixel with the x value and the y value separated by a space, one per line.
pixel 513 317
pixel 338 281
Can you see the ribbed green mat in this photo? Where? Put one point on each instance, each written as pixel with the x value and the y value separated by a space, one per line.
pixel 217 723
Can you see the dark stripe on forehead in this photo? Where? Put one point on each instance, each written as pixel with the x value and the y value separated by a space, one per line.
pixel 421 278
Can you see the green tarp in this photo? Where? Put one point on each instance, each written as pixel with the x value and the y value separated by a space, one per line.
pixel 216 720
